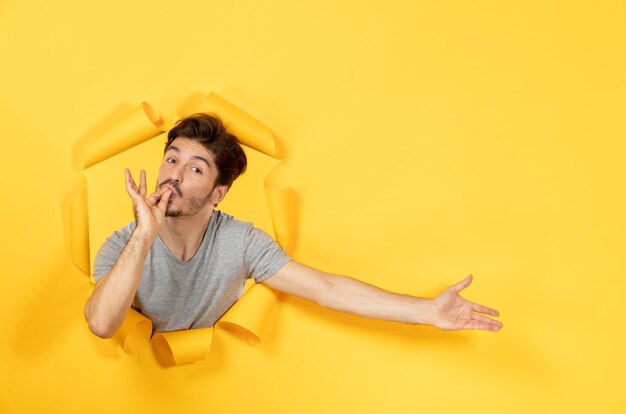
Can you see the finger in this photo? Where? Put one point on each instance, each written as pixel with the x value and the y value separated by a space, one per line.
pixel 483 309
pixel 164 199
pixel 483 326
pixel 462 284
pixel 487 320
pixel 142 184
pixel 154 197
pixel 131 187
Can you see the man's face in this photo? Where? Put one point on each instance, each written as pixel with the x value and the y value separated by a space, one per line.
pixel 189 169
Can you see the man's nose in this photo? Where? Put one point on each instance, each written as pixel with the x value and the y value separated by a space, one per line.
pixel 176 174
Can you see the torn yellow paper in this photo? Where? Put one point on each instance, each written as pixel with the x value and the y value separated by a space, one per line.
pixel 78 228
pixel 249 130
pixel 283 204
pixel 248 317
pixel 135 330
pixel 182 347
pixel 134 127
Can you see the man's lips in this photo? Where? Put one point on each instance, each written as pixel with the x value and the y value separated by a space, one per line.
pixel 175 189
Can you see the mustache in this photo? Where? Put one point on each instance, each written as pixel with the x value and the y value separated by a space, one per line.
pixel 172 184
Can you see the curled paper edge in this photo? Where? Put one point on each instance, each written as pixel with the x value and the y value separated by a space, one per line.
pixel 182 347
pixel 137 125
pixel 250 131
pixel 283 205
pixel 249 315
pixel 247 318
pixel 77 226
pixel 135 329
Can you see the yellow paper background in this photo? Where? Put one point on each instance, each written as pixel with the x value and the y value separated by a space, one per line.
pixel 425 141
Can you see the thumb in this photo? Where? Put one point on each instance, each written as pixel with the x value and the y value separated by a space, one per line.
pixel 462 284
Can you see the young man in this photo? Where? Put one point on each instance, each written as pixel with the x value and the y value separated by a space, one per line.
pixel 183 264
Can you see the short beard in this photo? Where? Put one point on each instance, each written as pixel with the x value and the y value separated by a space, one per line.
pixel 195 204
pixel 173 213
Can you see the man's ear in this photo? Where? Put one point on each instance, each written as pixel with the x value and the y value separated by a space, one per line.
pixel 219 193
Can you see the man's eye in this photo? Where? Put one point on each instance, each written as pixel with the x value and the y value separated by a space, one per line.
pixel 170 161
pixel 196 170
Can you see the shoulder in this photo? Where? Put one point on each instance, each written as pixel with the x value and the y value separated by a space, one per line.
pixel 122 235
pixel 111 249
pixel 226 224
pixel 228 227
pixel 116 242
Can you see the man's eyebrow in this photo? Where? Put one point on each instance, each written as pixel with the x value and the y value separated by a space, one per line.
pixel 195 157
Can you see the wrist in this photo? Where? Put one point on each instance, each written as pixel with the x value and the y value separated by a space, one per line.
pixel 424 312
pixel 144 235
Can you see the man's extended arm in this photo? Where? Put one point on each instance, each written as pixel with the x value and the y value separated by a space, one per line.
pixel 113 295
pixel 447 311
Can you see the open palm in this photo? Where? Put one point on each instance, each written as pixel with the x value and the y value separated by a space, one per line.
pixel 452 312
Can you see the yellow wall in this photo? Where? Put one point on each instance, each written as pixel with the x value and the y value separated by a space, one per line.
pixel 427 140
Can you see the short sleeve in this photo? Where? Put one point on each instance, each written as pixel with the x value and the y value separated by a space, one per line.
pixel 263 256
pixel 110 251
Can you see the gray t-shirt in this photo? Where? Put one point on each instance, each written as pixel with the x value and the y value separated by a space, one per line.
pixel 177 295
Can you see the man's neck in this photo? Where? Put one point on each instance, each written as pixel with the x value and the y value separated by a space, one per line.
pixel 183 235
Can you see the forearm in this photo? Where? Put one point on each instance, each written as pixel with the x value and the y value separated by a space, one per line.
pixel 353 296
pixel 113 295
pixel 349 295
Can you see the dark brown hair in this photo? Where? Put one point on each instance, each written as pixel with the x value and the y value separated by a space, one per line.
pixel 209 130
